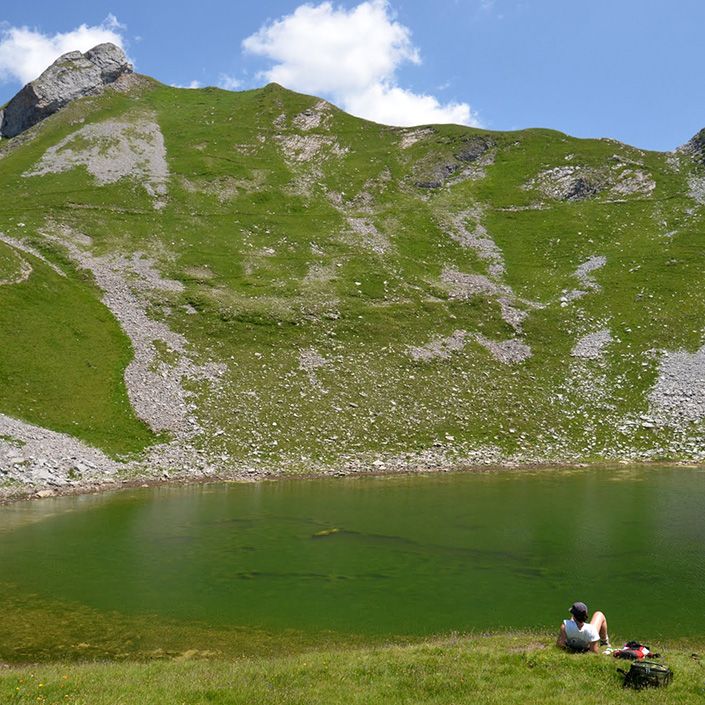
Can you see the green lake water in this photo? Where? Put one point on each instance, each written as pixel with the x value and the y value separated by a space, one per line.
pixel 368 558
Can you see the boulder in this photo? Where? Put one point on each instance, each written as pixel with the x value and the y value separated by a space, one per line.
pixel 71 76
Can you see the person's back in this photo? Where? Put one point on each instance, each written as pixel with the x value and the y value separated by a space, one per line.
pixel 577 634
pixel 580 636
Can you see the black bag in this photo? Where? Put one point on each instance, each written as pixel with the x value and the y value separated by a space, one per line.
pixel 646 674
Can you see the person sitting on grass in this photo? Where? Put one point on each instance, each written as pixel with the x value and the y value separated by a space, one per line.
pixel 579 634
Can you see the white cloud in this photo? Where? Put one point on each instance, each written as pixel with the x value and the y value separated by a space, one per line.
pixel 228 83
pixel 351 56
pixel 25 52
pixel 392 105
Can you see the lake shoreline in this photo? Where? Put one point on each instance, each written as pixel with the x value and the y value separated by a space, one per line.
pixel 19 493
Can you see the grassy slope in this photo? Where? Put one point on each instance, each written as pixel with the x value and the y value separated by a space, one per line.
pixel 62 361
pixel 63 352
pixel 245 228
pixel 522 669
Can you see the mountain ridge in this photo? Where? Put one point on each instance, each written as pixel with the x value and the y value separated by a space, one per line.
pixel 112 63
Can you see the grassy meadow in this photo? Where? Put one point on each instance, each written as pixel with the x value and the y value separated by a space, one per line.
pixel 509 669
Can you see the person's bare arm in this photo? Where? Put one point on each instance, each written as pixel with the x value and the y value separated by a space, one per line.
pixel 595 647
pixel 562 639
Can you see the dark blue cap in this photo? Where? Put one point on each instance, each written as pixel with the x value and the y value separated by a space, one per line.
pixel 579 610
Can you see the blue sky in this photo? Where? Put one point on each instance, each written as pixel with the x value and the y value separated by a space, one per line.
pixel 628 69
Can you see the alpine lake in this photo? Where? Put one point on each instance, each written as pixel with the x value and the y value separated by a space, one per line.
pixel 274 567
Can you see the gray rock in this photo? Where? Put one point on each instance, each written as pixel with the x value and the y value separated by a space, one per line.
pixel 569 183
pixel 696 147
pixel 71 76
pixel 474 148
pixel 581 189
pixel 111 61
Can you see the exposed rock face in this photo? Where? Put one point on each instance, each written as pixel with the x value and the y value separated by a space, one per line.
pixel 71 76
pixel 568 183
pixel 111 61
pixel 696 147
pixel 474 148
pixel 432 172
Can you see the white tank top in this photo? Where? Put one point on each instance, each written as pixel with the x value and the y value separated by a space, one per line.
pixel 580 638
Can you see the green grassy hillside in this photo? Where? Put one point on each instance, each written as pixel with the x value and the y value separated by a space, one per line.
pixel 441 294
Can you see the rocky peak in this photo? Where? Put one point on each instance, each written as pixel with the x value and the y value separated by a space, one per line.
pixel 71 76
pixel 111 61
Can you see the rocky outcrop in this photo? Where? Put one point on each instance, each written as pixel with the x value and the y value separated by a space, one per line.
pixel 71 76
pixel 696 147
pixel 474 147
pixel 434 171
pixel 569 183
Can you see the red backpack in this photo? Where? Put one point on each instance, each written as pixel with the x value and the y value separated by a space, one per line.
pixel 633 651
